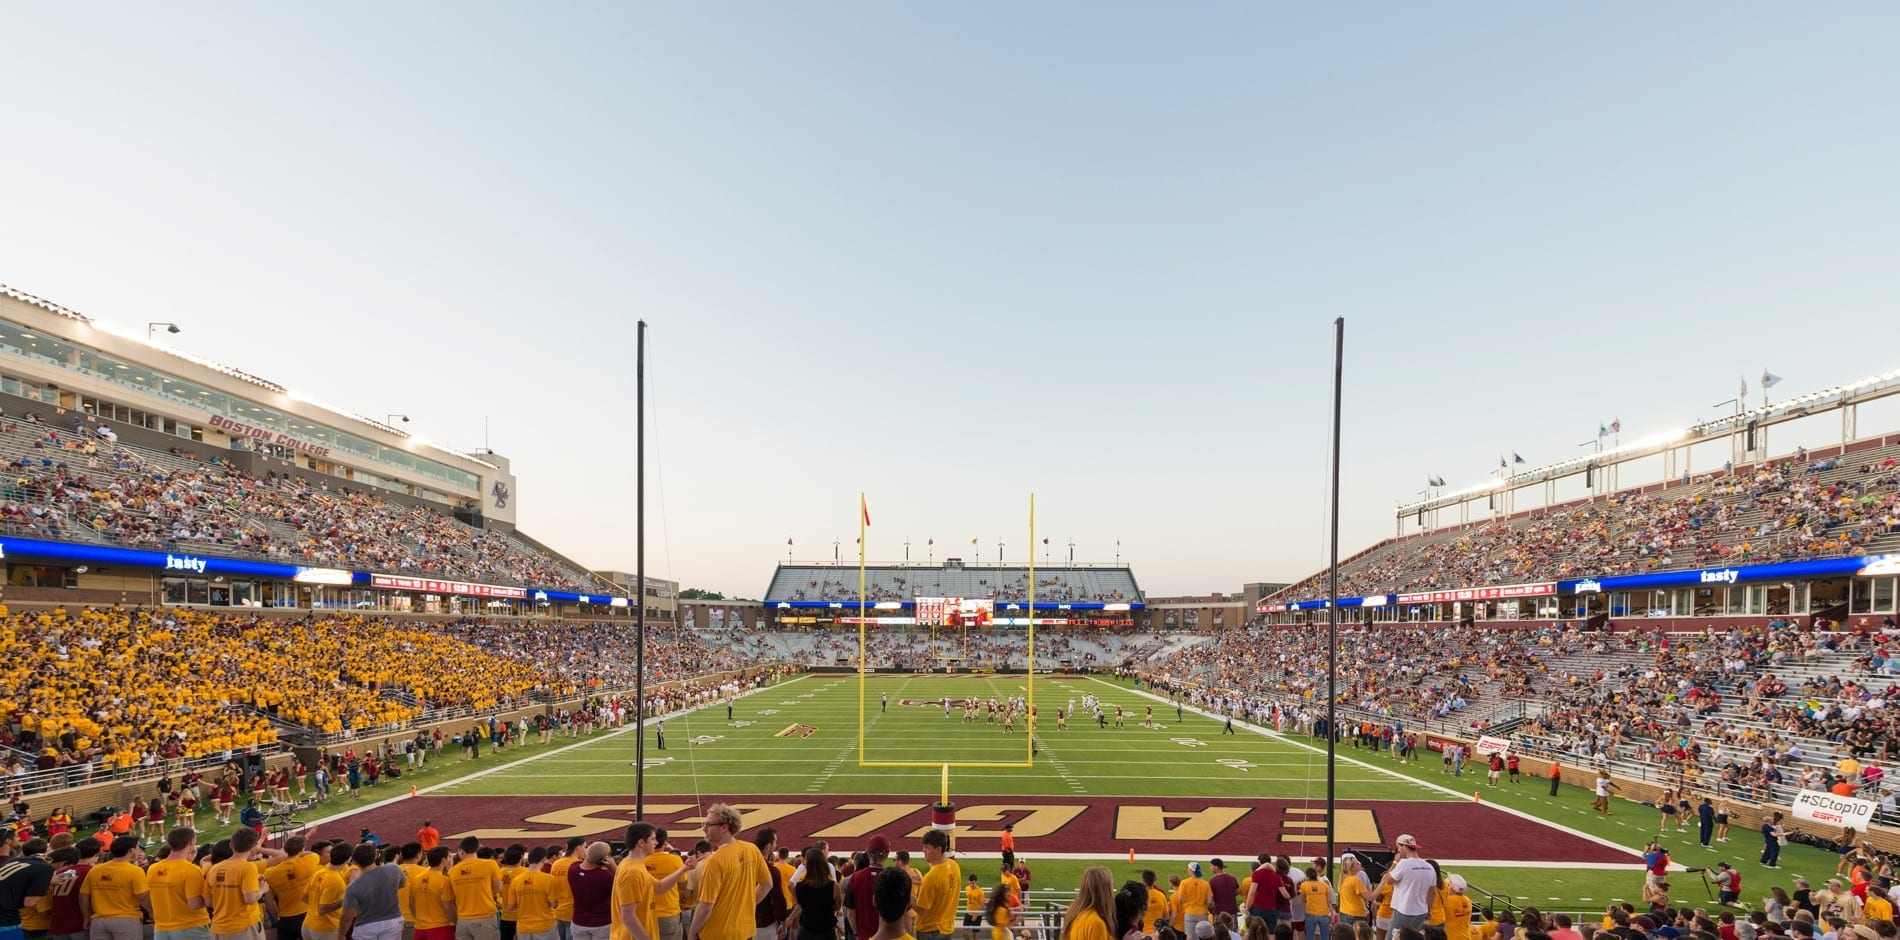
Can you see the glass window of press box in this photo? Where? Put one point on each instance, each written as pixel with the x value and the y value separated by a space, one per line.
pixel 22 341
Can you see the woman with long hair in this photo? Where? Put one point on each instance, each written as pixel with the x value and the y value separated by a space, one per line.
pixel 1532 919
pixel 1000 914
pixel 1130 903
pixel 816 900
pixel 1777 904
pixel 1093 910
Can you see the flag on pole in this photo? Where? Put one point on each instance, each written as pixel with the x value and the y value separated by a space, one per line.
pixel 1603 430
pixel 973 541
pixel 930 541
pixel 1502 463
pixel 788 541
pixel 1517 457
pixel 1744 392
pixel 1769 379
pixel 1434 481
pixel 1616 426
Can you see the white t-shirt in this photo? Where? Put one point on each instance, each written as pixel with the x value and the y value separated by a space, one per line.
pixel 1412 882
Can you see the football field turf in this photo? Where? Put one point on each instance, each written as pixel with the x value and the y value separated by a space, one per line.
pixel 802 737
pixel 789 758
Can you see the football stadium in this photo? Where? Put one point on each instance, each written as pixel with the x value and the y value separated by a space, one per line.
pixel 329 631
pixel 949 472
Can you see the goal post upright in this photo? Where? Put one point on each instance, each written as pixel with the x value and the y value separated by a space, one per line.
pixel 1029 697
pixel 864 523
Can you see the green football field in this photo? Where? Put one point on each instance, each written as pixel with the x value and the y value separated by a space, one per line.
pixel 790 757
pixel 1186 755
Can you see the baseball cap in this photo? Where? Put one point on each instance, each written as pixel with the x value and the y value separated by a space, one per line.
pixel 1457 883
pixel 1195 867
pixel 878 845
pixel 1204 930
pixel 1644 923
pixel 1407 841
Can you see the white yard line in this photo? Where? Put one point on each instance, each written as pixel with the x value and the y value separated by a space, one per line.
pixel 1421 783
pixel 535 757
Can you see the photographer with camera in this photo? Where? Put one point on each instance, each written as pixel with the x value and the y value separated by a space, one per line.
pixel 1728 884
pixel 1655 864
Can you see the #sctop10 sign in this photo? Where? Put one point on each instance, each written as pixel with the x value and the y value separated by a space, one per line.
pixel 1830 810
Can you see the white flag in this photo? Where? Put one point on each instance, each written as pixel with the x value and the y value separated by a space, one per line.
pixel 1744 391
pixel 1769 379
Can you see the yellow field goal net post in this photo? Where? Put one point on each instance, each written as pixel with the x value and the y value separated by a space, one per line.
pixel 1029 674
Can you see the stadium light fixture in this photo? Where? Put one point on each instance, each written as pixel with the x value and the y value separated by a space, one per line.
pixel 392 418
pixel 151 328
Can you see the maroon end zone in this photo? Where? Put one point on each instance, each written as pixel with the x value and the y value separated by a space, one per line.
pixel 1043 824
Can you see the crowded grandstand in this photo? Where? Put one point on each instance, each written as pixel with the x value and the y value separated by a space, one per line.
pixel 186 605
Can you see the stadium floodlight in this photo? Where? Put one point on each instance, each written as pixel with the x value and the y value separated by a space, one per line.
pixel 392 418
pixel 151 328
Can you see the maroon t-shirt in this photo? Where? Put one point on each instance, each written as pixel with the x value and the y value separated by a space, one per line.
pixel 64 893
pixel 862 906
pixel 593 892
pixel 1266 889
pixel 1226 891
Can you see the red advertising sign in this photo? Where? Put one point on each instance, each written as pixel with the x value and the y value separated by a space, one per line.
pixel 434 586
pixel 1481 594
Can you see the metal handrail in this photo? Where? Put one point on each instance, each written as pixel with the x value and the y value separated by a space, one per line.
pixel 54 779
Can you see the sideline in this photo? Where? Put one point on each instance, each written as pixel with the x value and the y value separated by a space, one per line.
pixel 311 827
pixel 1635 857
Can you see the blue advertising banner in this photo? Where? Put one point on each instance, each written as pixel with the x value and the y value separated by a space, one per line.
pixel 210 565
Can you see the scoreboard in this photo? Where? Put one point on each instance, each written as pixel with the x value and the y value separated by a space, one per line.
pixel 955 611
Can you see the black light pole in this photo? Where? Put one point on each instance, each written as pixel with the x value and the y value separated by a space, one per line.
pixel 640 575
pixel 1332 609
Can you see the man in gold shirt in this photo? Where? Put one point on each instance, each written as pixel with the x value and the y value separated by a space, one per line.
pixel 563 898
pixel 733 880
pixel 974 896
pixel 324 895
pixel 666 903
pixel 410 861
pixel 635 916
pixel 178 891
pixel 936 897
pixel 529 896
pixel 287 880
pixel 477 885
pixel 1193 896
pixel 115 895
pixel 234 889
pixel 434 898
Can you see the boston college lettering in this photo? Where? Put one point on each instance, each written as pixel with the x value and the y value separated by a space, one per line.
pixel 241 429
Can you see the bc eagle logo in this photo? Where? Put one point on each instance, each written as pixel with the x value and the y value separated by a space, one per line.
pixel 500 492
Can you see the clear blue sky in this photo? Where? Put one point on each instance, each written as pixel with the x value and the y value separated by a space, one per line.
pixel 950 254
